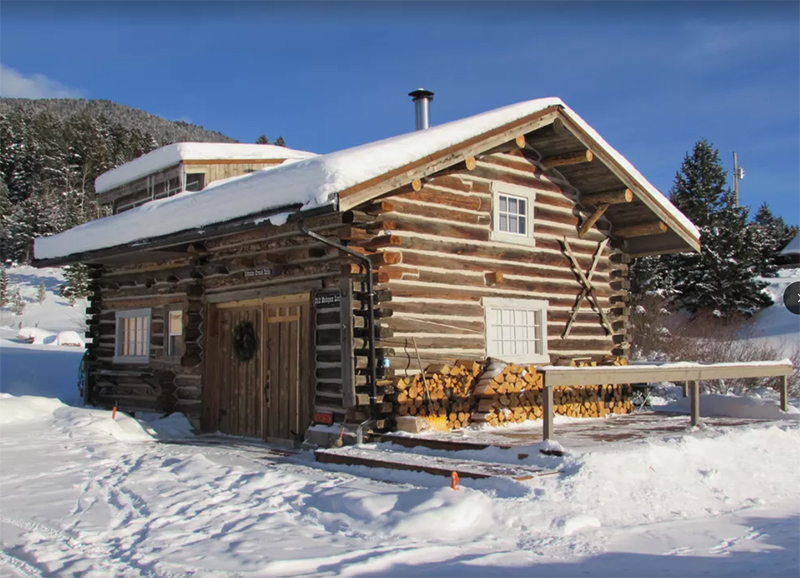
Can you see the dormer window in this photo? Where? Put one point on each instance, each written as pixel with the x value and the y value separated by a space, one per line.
pixel 195 181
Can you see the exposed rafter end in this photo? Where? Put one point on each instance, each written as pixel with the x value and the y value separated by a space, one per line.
pixel 573 158
pixel 519 142
pixel 641 230
pixel 468 164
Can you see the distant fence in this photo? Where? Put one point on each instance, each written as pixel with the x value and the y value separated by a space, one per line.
pixel 690 374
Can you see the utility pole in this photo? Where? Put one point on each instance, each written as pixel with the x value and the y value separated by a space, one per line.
pixel 738 173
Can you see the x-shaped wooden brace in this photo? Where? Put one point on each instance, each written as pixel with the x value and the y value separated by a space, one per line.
pixel 587 291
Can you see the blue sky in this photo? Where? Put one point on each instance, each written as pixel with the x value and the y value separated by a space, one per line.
pixel 652 78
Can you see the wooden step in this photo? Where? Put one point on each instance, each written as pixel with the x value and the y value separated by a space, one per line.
pixel 370 456
pixel 439 443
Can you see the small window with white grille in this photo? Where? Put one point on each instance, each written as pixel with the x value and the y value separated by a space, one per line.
pixel 516 330
pixel 175 333
pixel 512 213
pixel 133 336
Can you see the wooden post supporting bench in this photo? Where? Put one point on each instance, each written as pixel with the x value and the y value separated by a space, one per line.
pixel 694 402
pixel 547 413
pixel 785 393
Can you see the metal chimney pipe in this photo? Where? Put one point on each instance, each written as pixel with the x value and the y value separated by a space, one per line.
pixel 422 105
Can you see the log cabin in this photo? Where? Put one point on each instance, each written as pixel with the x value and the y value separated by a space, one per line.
pixel 297 294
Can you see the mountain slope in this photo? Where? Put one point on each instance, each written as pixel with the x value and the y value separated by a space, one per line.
pixel 162 130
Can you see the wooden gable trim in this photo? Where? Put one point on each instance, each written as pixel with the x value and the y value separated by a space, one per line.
pixel 442 159
pixel 629 181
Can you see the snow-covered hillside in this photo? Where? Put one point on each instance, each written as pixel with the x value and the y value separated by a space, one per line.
pixel 54 314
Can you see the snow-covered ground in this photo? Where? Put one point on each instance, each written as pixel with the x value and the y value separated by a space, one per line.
pixel 82 494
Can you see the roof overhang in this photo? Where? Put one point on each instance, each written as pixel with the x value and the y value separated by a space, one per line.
pixel 177 244
pixel 607 171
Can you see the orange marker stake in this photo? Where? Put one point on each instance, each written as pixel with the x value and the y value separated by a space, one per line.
pixel 114 412
pixel 454 480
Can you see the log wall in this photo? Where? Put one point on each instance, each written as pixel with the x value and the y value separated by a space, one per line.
pixel 437 260
pixel 215 271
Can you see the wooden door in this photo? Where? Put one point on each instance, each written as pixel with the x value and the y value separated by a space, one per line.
pixel 234 386
pixel 269 396
pixel 290 395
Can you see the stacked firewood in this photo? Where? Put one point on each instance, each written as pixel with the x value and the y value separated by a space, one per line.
pixel 501 394
pixel 508 394
pixel 443 391
pixel 513 394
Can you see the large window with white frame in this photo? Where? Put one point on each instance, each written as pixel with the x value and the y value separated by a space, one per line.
pixel 512 213
pixel 516 329
pixel 133 336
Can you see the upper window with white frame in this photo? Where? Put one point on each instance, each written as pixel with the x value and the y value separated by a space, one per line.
pixel 512 213
pixel 516 329
pixel 133 336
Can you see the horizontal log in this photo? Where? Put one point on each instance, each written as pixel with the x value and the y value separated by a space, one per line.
pixel 640 230
pixel 571 158
pixel 445 262
pixel 419 291
pixel 438 196
pixel 395 272
pixel 436 211
pixel 532 255
pixel 570 288
pixel 422 308
pixel 555 130
pixel 461 183
pixel 612 197
pixel 449 342
pixel 436 325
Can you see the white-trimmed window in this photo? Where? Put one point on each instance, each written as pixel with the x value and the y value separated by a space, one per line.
pixel 512 213
pixel 133 336
pixel 175 333
pixel 516 329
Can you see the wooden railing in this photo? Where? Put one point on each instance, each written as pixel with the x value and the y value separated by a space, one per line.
pixel 689 373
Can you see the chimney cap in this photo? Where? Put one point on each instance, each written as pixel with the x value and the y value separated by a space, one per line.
pixel 420 93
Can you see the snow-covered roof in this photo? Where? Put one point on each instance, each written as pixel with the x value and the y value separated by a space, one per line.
pixel 312 182
pixel 793 248
pixel 171 155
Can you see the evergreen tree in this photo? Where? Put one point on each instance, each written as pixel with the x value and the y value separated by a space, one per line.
pixel 262 140
pixel 77 277
pixel 17 303
pixel 280 142
pixel 721 279
pixel 772 235
pixel 41 293
pixel 4 290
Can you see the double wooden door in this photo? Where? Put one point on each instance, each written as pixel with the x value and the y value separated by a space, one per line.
pixel 258 368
